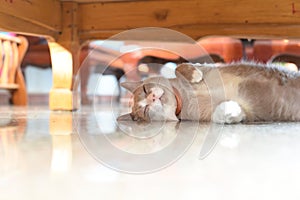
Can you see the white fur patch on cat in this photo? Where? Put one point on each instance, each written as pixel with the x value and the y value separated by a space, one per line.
pixel 169 113
pixel 158 92
pixel 228 112
pixel 197 76
pixel 143 103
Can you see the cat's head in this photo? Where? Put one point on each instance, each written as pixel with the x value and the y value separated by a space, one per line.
pixel 153 100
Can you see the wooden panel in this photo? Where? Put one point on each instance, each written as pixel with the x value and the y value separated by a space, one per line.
pixel 91 1
pixel 69 36
pixel 191 17
pixel 31 15
pixel 105 1
pixel 257 31
pixel 69 22
pixel 9 23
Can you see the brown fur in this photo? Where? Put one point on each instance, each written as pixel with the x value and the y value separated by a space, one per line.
pixel 265 93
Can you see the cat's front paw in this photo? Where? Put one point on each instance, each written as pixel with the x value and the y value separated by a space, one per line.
pixel 228 112
pixel 189 73
pixel 197 76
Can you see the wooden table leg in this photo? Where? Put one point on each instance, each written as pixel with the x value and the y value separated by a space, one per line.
pixel 61 95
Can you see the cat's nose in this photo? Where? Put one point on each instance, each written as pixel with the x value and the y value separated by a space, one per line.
pixel 155 95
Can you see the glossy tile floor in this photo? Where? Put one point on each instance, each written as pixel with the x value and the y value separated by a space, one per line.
pixel 87 155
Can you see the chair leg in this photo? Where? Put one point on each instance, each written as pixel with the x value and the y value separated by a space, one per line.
pixel 19 96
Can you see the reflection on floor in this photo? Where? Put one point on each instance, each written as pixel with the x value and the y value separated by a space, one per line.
pixel 87 155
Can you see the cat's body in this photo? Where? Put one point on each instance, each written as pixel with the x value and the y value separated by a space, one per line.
pixel 228 94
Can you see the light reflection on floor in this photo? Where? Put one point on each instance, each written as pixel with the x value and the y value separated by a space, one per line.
pixel 40 160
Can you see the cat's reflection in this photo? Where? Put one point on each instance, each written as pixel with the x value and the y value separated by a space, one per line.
pixel 145 138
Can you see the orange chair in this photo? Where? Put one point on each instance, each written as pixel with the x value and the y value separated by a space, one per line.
pixel 264 50
pixel 12 51
pixel 38 53
pixel 230 49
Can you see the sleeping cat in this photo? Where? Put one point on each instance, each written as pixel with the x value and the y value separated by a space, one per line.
pixel 233 93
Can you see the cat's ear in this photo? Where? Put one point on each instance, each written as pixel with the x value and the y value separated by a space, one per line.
pixel 126 117
pixel 131 86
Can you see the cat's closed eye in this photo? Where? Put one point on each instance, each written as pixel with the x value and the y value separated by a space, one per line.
pixel 146 110
pixel 144 88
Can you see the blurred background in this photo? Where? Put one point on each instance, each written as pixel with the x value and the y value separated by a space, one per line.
pixel 115 61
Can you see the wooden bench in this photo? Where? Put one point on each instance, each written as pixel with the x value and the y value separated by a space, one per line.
pixel 12 50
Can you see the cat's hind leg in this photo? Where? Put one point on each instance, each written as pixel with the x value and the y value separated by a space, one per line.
pixel 189 73
pixel 228 112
